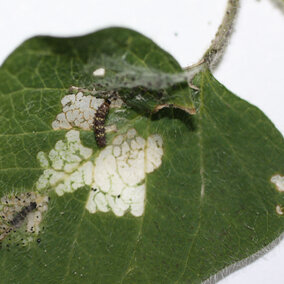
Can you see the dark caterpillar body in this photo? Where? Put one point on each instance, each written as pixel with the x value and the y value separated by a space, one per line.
pixel 17 220
pixel 99 123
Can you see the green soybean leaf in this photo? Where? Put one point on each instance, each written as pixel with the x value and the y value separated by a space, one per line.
pixel 172 198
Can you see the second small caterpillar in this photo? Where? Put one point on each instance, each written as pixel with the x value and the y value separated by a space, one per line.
pixel 20 217
pixel 99 123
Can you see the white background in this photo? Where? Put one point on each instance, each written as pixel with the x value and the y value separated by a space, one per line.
pixel 252 67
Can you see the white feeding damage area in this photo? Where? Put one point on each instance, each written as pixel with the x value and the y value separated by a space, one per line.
pixel 120 171
pixel 100 72
pixel 65 166
pixel 278 181
pixel 78 110
pixel 116 177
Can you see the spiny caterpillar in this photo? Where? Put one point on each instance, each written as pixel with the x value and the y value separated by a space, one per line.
pixel 99 123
